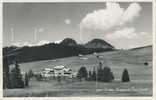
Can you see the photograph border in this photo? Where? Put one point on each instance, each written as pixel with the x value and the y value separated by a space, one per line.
pixel 81 98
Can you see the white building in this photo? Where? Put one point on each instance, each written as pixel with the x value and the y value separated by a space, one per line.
pixel 57 71
pixel 47 72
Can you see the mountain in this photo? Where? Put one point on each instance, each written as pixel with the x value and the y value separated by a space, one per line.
pixel 98 43
pixel 67 48
pixel 69 42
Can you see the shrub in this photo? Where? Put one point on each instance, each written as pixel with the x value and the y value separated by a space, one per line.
pixel 146 63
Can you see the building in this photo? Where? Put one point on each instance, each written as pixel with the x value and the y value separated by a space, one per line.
pixel 57 71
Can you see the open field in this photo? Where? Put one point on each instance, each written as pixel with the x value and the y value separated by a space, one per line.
pixel 133 60
pixel 52 88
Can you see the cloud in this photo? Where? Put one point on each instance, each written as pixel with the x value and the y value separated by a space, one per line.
pixel 128 38
pixel 16 44
pixel 40 43
pixel 112 16
pixel 132 12
pixel 67 21
pixel 20 44
pixel 41 30
pixel 58 41
pixel 43 42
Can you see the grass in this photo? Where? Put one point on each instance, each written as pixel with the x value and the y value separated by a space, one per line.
pixel 84 88
pixel 133 60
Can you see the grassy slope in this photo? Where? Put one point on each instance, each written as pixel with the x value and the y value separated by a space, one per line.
pixel 133 60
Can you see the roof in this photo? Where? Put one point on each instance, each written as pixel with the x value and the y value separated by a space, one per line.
pixel 48 69
pixel 59 67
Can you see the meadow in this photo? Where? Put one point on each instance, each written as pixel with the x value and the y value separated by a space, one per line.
pixel 140 76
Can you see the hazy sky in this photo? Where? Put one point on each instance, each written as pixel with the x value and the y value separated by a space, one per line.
pixel 124 25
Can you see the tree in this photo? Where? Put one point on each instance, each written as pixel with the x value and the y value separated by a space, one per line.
pixel 30 73
pixel 6 81
pixel 94 75
pixel 125 76
pixel 79 76
pixel 112 75
pixel 82 73
pixel 16 80
pixel 26 80
pixel 90 76
pixel 107 75
pixel 59 78
pixel 100 72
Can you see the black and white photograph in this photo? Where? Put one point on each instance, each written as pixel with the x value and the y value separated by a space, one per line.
pixel 77 49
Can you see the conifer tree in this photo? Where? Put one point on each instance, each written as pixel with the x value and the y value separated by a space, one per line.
pixel 82 73
pixel 26 80
pixel 94 75
pixel 16 77
pixel 125 76
pixel 30 73
pixel 6 82
pixel 90 76
pixel 100 72
pixel 107 75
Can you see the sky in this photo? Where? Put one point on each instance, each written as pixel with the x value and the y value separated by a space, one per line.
pixel 124 25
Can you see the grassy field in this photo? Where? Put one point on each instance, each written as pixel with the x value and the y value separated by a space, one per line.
pixel 133 60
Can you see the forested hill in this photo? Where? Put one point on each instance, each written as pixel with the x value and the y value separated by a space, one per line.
pixel 68 47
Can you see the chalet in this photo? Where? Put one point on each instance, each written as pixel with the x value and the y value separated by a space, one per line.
pixel 57 71
pixel 47 72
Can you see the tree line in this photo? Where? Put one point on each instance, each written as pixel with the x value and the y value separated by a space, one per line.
pixel 100 74
pixel 13 78
pixel 66 48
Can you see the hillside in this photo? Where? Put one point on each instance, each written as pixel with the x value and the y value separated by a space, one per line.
pixel 98 43
pixel 67 48
pixel 117 60
pixel 133 60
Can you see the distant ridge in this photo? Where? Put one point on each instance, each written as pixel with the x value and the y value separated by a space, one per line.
pixel 98 43
pixel 69 42
pixel 141 47
pixel 67 48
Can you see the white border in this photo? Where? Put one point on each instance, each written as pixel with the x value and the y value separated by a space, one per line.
pixel 82 98
pixel 77 0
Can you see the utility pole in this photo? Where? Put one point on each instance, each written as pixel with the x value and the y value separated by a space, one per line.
pixel 35 34
pixel 12 34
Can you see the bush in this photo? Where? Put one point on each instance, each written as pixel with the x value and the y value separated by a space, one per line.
pixel 125 76
pixel 146 63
